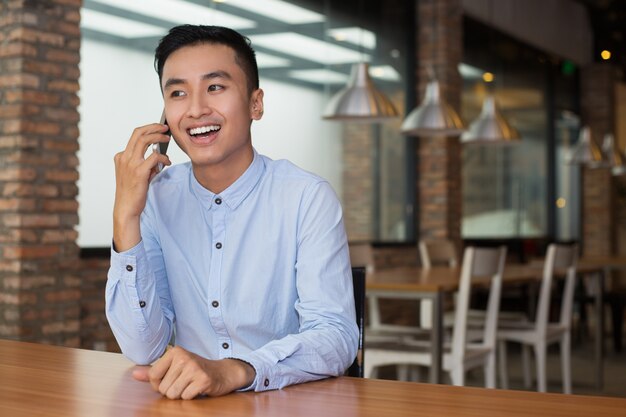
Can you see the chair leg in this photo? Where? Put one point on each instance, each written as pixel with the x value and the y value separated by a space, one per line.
pixel 490 370
pixel 566 362
pixel 416 373
pixel 458 376
pixel 617 314
pixel 526 366
pixel 369 370
pixel 402 372
pixel 540 359
pixel 504 374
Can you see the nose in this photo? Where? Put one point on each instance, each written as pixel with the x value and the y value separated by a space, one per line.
pixel 198 106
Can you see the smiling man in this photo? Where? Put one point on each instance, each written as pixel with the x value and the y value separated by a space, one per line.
pixel 242 259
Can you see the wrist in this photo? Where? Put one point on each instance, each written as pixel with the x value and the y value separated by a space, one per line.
pixel 126 233
pixel 244 373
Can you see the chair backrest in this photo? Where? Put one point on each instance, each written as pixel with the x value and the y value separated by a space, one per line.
pixel 437 252
pixel 558 257
pixel 361 254
pixel 478 263
pixel 358 281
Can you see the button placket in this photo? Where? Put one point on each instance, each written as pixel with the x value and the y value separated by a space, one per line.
pixel 214 294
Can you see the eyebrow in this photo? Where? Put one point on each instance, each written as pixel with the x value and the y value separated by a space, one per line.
pixel 208 76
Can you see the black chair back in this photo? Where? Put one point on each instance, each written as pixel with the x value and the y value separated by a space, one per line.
pixel 358 282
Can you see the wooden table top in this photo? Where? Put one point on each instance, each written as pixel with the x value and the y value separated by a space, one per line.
pixel 41 380
pixel 446 279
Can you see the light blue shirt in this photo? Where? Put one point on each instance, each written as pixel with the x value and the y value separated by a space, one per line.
pixel 260 272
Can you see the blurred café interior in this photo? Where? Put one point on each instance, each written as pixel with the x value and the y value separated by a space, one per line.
pixel 447 124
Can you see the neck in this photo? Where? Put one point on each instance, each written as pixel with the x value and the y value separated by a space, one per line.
pixel 216 178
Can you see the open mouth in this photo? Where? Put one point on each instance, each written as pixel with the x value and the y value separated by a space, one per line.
pixel 204 131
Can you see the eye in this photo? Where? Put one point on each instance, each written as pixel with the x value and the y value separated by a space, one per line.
pixel 215 87
pixel 177 93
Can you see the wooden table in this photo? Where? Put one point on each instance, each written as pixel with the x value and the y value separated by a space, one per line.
pixel 433 283
pixel 48 381
pixel 603 266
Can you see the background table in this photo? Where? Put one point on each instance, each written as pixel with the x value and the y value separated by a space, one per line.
pixel 40 380
pixel 433 283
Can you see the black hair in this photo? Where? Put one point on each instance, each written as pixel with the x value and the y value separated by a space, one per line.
pixel 188 35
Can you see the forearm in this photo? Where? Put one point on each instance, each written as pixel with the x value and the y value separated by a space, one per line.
pixel 310 355
pixel 134 309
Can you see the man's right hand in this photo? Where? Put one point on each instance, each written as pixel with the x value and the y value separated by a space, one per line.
pixel 133 173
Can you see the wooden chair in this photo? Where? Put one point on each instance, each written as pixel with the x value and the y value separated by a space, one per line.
pixel 362 255
pixel 540 333
pixel 432 253
pixel 358 283
pixel 460 354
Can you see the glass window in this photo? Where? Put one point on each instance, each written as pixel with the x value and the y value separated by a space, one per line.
pixel 305 50
pixel 505 188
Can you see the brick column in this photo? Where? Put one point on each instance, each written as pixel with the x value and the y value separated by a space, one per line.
pixel 39 56
pixel 439 46
pixel 358 190
pixel 597 108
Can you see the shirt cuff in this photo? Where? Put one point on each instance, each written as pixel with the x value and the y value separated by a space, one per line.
pixel 264 380
pixel 124 264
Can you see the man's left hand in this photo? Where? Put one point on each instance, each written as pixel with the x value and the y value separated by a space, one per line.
pixel 180 374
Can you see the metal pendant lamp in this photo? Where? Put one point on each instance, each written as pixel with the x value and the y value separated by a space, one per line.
pixel 433 117
pixel 614 158
pixel 490 127
pixel 360 100
pixel 587 152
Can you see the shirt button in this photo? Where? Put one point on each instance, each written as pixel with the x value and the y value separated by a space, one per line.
pixel 129 268
pixel 225 345
pixel 215 304
pixel 218 201
pixel 266 382
pixel 142 304
pixel 218 245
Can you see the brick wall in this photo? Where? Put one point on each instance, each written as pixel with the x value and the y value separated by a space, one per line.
pixel 358 184
pixel 440 47
pixel 95 332
pixel 40 287
pixel 598 211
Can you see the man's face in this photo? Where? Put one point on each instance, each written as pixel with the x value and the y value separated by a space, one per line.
pixel 207 105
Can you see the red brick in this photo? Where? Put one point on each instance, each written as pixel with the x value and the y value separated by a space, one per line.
pixel 17 49
pixel 61 296
pixel 18 141
pixel 9 298
pixel 17 204
pixel 64 326
pixel 60 145
pixel 43 68
pixel 10 266
pixel 32 282
pixel 19 236
pixel 60 55
pixel 32 96
pixel 31 220
pixel 62 85
pixel 31 35
pixel 62 175
pixel 19 80
pixel 47 190
pixel 58 236
pixel 29 252
pixel 17 174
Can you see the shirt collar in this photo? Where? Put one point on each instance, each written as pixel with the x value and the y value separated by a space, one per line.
pixel 237 191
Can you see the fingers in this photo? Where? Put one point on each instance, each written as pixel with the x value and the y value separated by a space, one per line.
pixel 143 136
pixel 140 373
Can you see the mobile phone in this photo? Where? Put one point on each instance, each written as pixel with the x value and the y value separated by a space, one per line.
pixel 161 147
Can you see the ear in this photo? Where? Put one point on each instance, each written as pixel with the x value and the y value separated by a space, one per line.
pixel 256 104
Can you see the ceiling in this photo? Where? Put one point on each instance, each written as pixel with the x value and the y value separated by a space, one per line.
pixel 296 44
pixel 608 20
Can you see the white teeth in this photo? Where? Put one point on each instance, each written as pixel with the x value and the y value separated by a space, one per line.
pixel 203 129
